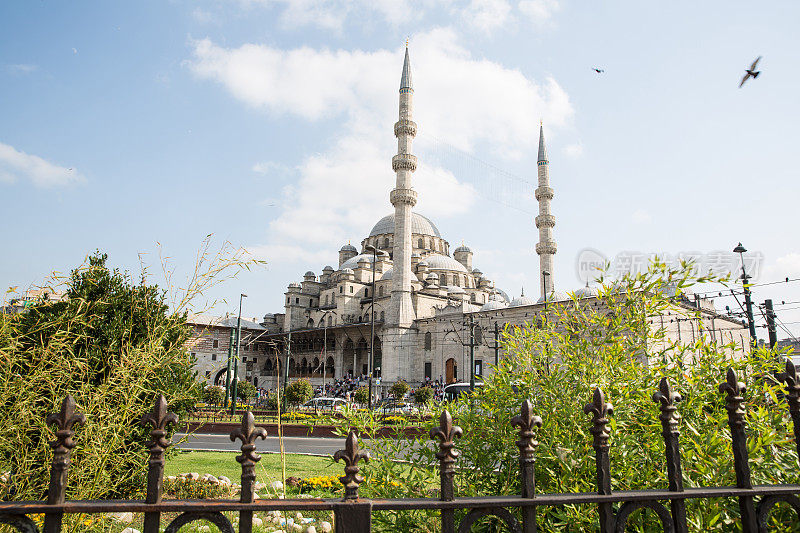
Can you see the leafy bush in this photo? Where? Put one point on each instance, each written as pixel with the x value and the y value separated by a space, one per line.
pixel 399 389
pixel 113 345
pixel 245 391
pixel 296 416
pixel 613 343
pixel 361 395
pixel 213 394
pixel 394 419
pixel 299 391
pixel 423 395
pixel 184 488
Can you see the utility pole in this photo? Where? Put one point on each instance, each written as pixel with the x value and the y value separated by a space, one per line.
pixel 236 360
pixel 228 371
pixel 773 334
pixel 747 300
pixel 286 369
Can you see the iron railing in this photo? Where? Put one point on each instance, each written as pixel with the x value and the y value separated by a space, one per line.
pixel 354 514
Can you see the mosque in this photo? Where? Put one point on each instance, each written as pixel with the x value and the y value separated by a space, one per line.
pixel 432 309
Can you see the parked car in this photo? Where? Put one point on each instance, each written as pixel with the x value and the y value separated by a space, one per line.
pixel 324 404
pixel 389 406
pixel 454 390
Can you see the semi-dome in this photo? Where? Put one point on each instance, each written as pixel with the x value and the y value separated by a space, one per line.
pixel 494 305
pixel 348 248
pixel 419 225
pixel 455 289
pixel 355 260
pixel 387 274
pixel 444 262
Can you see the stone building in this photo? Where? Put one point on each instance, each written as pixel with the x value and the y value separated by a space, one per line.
pixel 424 298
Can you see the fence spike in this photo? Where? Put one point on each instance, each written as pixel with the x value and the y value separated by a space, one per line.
pixel 736 421
pixel 600 410
pixel 351 456
pixel 447 455
pixel 64 420
pixel 528 423
pixel 667 398
pixel 159 418
pixel 247 432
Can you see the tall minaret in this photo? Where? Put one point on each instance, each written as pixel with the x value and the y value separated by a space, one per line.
pixel 546 247
pixel 403 198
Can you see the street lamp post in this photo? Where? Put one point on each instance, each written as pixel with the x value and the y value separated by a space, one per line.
pixel 375 252
pixel 325 346
pixel 545 273
pixel 747 300
pixel 236 360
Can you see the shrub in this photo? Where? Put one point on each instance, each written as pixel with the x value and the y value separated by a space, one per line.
pixel 296 416
pixel 423 395
pixel 361 395
pixel 184 488
pixel 399 389
pixel 299 391
pixel 245 391
pixel 213 394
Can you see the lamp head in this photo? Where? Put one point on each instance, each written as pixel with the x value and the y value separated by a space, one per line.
pixel 740 249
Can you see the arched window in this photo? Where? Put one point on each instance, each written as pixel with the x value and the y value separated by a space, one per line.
pixel 478 335
pixel 386 242
pixel 421 243
pixel 330 320
pixel 382 315
pixel 380 290
pixel 310 324
pixel 321 323
pixel 428 340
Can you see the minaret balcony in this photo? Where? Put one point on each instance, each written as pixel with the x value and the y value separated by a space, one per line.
pixel 403 196
pixel 405 127
pixel 546 221
pixel 544 192
pixel 546 248
pixel 404 162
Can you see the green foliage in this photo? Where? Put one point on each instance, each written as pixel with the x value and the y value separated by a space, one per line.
pixel 245 391
pixel 213 394
pixel 271 401
pixel 113 345
pixel 423 395
pixel 361 395
pixel 196 489
pixel 299 391
pixel 615 343
pixel 399 389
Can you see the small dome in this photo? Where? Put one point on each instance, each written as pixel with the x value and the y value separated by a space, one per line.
pixel 477 273
pixel 422 263
pixel 309 274
pixel 347 271
pixel 355 260
pixel 432 277
pixel 294 285
pixel 555 296
pixel 502 294
pixel 493 305
pixel 327 268
pixel 463 248
pixel 387 274
pixel 415 254
pixel 348 248
pixel 269 315
pixel 455 289
pixel 522 300
pixel 587 292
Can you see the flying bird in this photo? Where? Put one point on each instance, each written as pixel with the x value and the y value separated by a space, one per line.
pixel 598 70
pixel 751 72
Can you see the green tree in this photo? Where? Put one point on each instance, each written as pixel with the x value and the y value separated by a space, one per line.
pixel 399 389
pixel 113 345
pixel 361 395
pixel 299 391
pixel 213 394
pixel 245 391
pixel 423 395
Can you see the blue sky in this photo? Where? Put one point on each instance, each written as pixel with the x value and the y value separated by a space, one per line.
pixel 269 124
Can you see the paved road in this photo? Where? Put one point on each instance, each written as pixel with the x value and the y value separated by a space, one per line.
pixel 204 441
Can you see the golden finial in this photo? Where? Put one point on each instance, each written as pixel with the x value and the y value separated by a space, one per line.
pixel 406 42
pixel 541 122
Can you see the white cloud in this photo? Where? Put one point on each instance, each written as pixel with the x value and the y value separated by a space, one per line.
pixel 486 15
pixel 15 165
pixel 269 168
pixel 538 11
pixel 202 16
pixel 22 68
pixel 573 150
pixel 641 216
pixel 459 99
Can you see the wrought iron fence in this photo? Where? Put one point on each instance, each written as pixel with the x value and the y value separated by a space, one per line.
pixel 354 514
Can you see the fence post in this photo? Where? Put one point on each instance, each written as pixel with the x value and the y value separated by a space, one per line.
pixel 248 434
pixel 158 418
pixel 64 420
pixel 600 411
pixel 733 404
pixel 793 398
pixel 446 455
pixel 357 516
pixel 669 430
pixel 527 423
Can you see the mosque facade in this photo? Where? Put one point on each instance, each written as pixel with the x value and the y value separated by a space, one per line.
pixel 432 307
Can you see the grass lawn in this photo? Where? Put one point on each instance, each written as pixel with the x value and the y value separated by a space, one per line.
pixel 267 470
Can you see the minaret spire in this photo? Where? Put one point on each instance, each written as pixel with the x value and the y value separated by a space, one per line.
pixel 403 198
pixel 546 247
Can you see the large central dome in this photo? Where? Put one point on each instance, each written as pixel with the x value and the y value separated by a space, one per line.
pixel 420 225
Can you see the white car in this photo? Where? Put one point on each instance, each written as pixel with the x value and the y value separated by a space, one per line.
pixel 324 404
